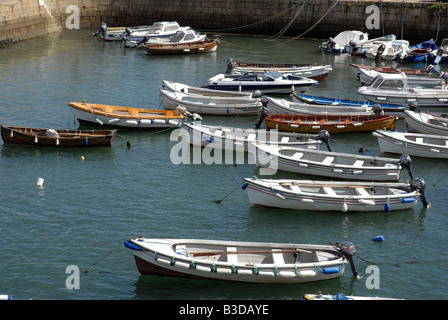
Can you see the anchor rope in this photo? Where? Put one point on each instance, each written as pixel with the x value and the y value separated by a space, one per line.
pixel 87 270
pixel 281 32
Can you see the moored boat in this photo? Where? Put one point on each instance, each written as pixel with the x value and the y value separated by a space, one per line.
pixel 424 122
pixel 210 104
pixel 158 30
pixel 367 76
pixel 345 196
pixel 269 82
pixel 335 165
pixel 419 52
pixel 185 88
pixel 333 124
pixel 60 138
pixel 115 33
pixel 414 144
pixel 256 262
pixel 341 296
pixel 344 40
pixel 201 46
pixel 125 117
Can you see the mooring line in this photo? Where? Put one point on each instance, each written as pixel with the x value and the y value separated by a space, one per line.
pixel 87 270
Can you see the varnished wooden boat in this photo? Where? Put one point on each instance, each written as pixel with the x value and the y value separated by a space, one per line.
pixel 203 46
pixel 333 124
pixel 125 117
pixel 57 138
pixel 256 262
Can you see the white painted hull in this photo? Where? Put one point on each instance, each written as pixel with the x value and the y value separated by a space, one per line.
pixel 271 194
pixel 420 145
pixel 419 123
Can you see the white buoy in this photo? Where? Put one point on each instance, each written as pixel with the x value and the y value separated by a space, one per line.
pixel 5 297
pixel 40 182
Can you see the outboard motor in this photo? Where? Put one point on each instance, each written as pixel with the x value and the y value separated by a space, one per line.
pixel 102 30
pixel 420 185
pixel 377 110
pixel 405 161
pixel 127 32
pixel 438 55
pixel 263 111
pixel 380 51
pixel 330 45
pixel 347 249
pixel 413 106
pixel 324 136
pixel 352 45
pixel 144 40
pixel 230 65
pixel 257 94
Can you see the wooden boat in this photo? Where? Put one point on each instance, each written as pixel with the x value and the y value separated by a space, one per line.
pixel 345 196
pixel 316 72
pixel 282 106
pixel 184 88
pixel 202 46
pixel 419 52
pixel 396 89
pixel 414 144
pixel 330 164
pixel 125 117
pixel 238 139
pixel 210 104
pixel 256 262
pixel 60 138
pixel 342 42
pixel 424 122
pixel 333 124
pixel 269 82
pixel 388 109
pixel 341 296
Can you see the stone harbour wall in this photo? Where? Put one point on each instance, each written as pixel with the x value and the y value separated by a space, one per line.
pixel 412 20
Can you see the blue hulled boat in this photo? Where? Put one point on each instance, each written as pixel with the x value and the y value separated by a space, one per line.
pixel 419 52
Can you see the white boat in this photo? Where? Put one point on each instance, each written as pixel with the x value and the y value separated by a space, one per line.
pixel 423 122
pixel 330 164
pixel 283 106
pixel 256 262
pixel 185 35
pixel 440 55
pixel 334 195
pixel 271 82
pixel 341 296
pixel 414 144
pixel 367 76
pixel 316 72
pixel 396 89
pixel 344 40
pixel 184 88
pixel 158 30
pixel 211 105
pixel 389 50
pixel 115 33
pixel 355 49
pixel 238 139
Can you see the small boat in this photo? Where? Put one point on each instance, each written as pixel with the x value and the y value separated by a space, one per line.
pixel 210 104
pixel 330 164
pixel 390 50
pixel 440 55
pixel 269 82
pixel 158 30
pixel 283 106
pixel 343 41
pixel 115 33
pixel 125 117
pixel 419 52
pixel 388 69
pixel 316 72
pixel 238 139
pixel 202 46
pixel 424 122
pixel 256 262
pixel 57 138
pixel 184 88
pixel 414 144
pixel 388 109
pixel 355 49
pixel 341 296
pixel 397 89
pixel 182 36
pixel 345 196
pixel 333 124
pixel 366 77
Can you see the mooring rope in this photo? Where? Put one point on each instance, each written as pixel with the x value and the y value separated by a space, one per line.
pixel 397 264
pixel 87 270
pixel 279 34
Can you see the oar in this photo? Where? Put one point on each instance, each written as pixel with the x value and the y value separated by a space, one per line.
pixel 216 253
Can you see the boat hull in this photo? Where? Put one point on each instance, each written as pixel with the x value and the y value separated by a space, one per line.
pixel 418 123
pixel 183 48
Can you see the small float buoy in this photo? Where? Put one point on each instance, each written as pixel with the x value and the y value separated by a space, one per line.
pixel 82 158
pixel 40 182
pixel 378 238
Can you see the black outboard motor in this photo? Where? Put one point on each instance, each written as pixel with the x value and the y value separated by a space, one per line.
pixel 405 161
pixel 230 65
pixel 257 94
pixel 144 40
pixel 330 45
pixel 352 45
pixel 102 30
pixel 413 106
pixel 324 136
pixel 438 56
pixel 263 111
pixel 347 249
pixel 380 51
pixel 377 110
pixel 420 185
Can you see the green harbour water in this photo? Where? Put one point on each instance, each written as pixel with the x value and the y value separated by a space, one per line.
pixel 88 207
